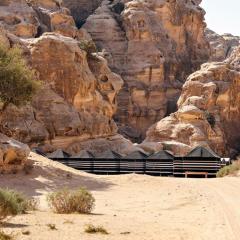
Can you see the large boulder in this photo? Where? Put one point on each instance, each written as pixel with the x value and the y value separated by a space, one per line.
pixel 78 96
pixel 13 155
pixel 208 110
pixel 154 45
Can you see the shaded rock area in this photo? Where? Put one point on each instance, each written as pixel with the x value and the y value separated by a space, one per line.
pixel 13 155
pixel 208 111
pixel 80 10
pixel 154 46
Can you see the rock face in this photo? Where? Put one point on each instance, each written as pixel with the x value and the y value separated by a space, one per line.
pixel 154 45
pixel 78 96
pixel 17 17
pixel 221 46
pixel 13 155
pixel 208 111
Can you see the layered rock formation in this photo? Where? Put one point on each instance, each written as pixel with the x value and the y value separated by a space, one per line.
pixel 78 97
pixel 154 45
pixel 221 45
pixel 208 111
pixel 13 155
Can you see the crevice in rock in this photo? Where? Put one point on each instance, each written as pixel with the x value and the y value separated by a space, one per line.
pixel 81 10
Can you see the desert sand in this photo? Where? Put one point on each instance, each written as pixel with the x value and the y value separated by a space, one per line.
pixel 135 207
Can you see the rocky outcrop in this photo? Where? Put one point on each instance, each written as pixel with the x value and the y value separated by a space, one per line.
pixel 154 45
pixel 31 18
pixel 78 97
pixel 221 45
pixel 17 17
pixel 208 111
pixel 13 155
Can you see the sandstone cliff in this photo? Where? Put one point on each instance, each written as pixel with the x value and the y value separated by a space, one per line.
pixel 221 45
pixel 78 97
pixel 208 111
pixel 154 45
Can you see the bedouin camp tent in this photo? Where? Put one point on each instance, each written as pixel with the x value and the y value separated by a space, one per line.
pixel 160 163
pixel 107 162
pixel 60 156
pixel 200 159
pixel 38 151
pixel 82 161
pixel 134 162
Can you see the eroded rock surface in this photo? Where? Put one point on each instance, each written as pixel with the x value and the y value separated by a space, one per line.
pixel 78 97
pixel 17 17
pixel 154 45
pixel 13 155
pixel 221 45
pixel 208 111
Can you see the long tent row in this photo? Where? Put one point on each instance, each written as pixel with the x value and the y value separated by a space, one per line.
pixel 199 161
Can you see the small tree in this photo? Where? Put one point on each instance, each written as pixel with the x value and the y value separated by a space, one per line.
pixel 17 82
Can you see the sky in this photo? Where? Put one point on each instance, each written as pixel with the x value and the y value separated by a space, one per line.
pixel 223 16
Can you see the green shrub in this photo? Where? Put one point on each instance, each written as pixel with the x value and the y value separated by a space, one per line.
pixel 70 201
pixel 229 170
pixel 17 82
pixel 13 203
pixel 4 236
pixel 95 229
pixel 88 46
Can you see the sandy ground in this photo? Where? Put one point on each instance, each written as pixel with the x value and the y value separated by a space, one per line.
pixel 135 207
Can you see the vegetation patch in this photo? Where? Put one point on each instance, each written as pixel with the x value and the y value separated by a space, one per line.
pixel 90 228
pixel 17 80
pixel 71 201
pixel 13 203
pixel 52 226
pixel 232 169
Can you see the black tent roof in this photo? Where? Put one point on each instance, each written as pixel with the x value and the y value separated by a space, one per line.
pixel 58 154
pixel 136 155
pixel 109 154
pixel 202 152
pixel 83 154
pixel 164 155
pixel 38 151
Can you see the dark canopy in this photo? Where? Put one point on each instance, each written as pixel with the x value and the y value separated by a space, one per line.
pixel 162 155
pixel 38 151
pixel 83 154
pixel 136 155
pixel 109 154
pixel 202 152
pixel 58 154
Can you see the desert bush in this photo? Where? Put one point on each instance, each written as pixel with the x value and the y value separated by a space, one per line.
pixel 13 203
pixel 88 46
pixel 17 81
pixel 229 170
pixel 52 226
pixel 70 201
pixel 90 228
pixel 4 236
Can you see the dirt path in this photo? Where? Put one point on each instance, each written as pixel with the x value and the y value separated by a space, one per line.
pixel 131 206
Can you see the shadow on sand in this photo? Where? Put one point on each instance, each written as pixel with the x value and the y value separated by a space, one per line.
pixel 50 177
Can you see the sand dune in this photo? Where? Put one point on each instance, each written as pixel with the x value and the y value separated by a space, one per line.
pixel 130 206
